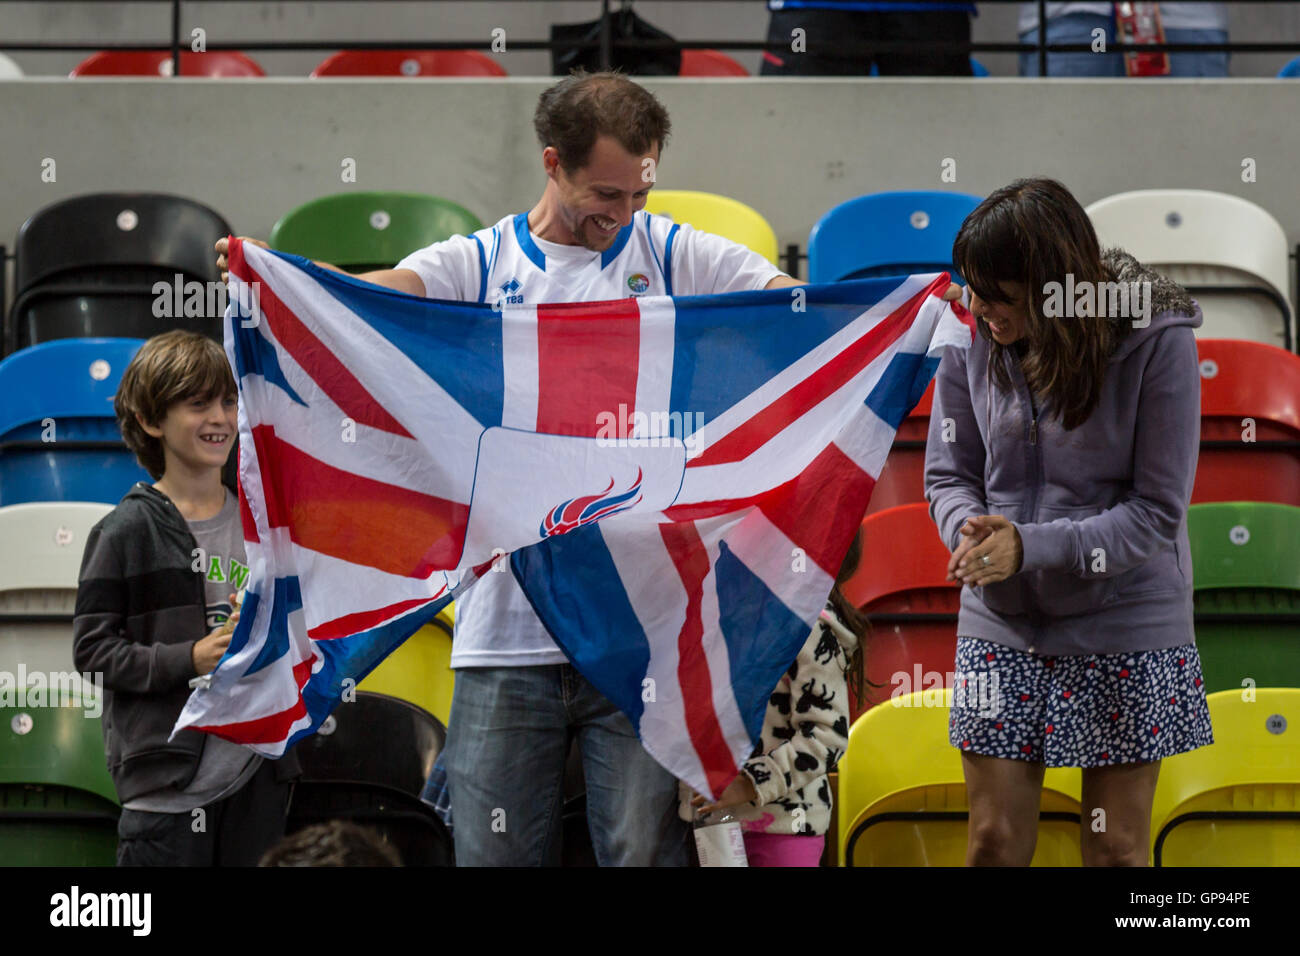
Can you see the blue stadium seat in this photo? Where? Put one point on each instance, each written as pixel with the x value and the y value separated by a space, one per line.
pixel 893 233
pixel 1291 71
pixel 59 439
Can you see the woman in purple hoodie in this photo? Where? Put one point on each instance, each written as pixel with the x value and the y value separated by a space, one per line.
pixel 1059 467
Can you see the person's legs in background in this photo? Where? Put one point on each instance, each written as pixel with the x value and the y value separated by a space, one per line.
pixel 631 800
pixel 826 33
pixel 1074 28
pixel 1197 64
pixel 949 26
pixel 505 753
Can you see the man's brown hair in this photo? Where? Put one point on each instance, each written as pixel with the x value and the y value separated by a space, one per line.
pixel 574 112
pixel 173 367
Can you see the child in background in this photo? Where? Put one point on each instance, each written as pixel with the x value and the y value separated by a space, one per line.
pixel 153 605
pixel 782 796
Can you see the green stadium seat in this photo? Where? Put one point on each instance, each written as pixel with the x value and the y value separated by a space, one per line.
pixel 364 231
pixel 1246 581
pixel 57 802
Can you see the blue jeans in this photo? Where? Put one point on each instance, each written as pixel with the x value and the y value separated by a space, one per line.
pixel 505 756
pixel 1078 27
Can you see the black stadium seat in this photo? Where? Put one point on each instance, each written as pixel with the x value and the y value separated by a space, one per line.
pixel 87 267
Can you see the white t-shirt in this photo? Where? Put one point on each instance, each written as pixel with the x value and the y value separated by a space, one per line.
pixel 1173 16
pixel 495 624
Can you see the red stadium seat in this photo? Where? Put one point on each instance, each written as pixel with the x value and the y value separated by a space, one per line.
pixel 409 63
pixel 710 63
pixel 902 479
pixel 218 63
pixel 1248 380
pixel 900 586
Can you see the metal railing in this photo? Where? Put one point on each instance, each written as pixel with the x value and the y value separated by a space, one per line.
pixel 605 42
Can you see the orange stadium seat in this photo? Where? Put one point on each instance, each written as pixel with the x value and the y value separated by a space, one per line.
pixel 913 611
pixel 1242 380
pixel 409 63
pixel 710 63
pixel 217 63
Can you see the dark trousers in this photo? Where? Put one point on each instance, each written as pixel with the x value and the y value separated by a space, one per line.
pixel 235 831
pixel 828 32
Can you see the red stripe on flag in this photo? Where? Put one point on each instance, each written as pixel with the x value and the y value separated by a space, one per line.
pixel 814 509
pixel 272 728
pixel 350 624
pixel 357 519
pixel 245 515
pixel 820 508
pixel 314 356
pixel 692 561
pixel 802 397
pixel 587 359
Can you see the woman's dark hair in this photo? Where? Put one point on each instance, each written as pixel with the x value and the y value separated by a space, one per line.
pixel 1034 232
pixel 853 619
pixel 572 113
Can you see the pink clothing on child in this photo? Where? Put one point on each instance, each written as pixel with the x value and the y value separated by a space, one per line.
pixel 783 849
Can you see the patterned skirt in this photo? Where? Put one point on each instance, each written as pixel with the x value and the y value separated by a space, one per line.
pixel 1078 710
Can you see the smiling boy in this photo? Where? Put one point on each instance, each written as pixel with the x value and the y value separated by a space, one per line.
pixel 153 596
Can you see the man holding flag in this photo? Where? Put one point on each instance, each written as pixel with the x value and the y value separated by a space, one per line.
pixel 518 700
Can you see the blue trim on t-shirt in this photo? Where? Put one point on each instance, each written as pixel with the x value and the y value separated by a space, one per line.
pixel 649 238
pixel 668 260
pixel 482 269
pixel 526 241
pixel 610 254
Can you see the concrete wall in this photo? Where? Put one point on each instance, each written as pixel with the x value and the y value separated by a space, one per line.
pixel 254 149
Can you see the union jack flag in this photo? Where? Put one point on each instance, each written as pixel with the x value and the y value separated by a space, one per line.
pixel 676 481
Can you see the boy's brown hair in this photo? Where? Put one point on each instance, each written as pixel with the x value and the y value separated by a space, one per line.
pixel 169 368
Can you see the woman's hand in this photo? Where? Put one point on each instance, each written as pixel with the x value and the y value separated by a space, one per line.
pixel 995 538
pixel 739 791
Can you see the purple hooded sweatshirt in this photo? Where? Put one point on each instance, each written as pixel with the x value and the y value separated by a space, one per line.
pixel 1101 509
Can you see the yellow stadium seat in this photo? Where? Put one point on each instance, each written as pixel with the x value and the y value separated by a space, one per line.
pixel 902 796
pixel 719 215
pixel 1237 801
pixel 419 671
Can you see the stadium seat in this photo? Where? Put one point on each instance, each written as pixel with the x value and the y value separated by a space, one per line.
pixel 902 796
pixel 1228 252
pixel 900 586
pixel 1237 801
pixel 892 233
pixel 1246 580
pixel 59 439
pixel 1248 389
pixel 719 215
pixel 128 265
pixel 217 63
pixel 419 671
pixel 39 566
pixel 902 477
pixel 363 231
pixel 57 802
pixel 368 764
pixel 710 63
pixel 409 63
pixel 9 70
pixel 1291 70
